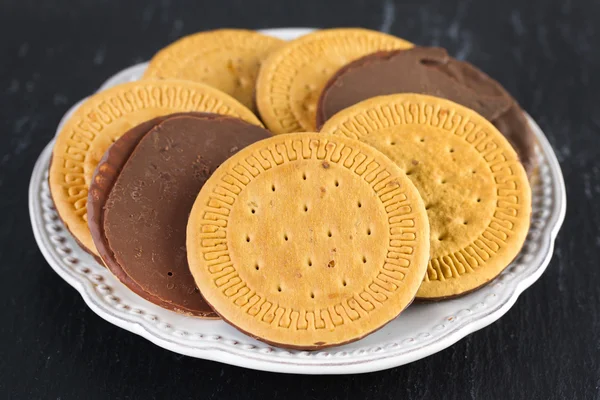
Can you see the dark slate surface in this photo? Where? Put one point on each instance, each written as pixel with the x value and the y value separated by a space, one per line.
pixel 547 346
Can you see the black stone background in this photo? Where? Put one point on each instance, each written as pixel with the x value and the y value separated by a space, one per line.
pixel 52 53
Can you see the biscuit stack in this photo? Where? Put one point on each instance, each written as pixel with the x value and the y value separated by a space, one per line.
pixel 386 173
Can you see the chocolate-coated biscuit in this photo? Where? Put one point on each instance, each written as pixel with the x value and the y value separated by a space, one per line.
pixel 141 195
pixel 429 70
pixel 102 119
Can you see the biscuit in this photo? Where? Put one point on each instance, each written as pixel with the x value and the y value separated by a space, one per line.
pixel 102 119
pixel 475 189
pixel 429 70
pixel 142 192
pixel 227 59
pixel 292 77
pixel 308 241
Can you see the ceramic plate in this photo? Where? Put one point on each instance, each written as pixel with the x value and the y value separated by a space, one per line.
pixel 423 329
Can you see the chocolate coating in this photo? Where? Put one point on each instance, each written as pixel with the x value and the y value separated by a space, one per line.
pixel 141 196
pixel 429 70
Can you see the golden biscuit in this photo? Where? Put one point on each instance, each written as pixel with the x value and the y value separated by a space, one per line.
pixel 476 191
pixel 307 241
pixel 292 77
pixel 227 59
pixel 102 119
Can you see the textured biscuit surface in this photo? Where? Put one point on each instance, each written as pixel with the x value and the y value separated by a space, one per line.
pixel 306 240
pixel 293 76
pixel 475 190
pixel 102 119
pixel 227 59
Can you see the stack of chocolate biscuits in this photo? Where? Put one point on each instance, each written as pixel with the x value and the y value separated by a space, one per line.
pixel 383 173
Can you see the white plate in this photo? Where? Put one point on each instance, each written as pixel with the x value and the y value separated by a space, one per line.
pixel 421 330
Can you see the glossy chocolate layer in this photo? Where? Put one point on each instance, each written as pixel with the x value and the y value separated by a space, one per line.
pixel 142 193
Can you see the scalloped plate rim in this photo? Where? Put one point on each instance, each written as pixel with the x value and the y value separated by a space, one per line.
pixel 263 359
